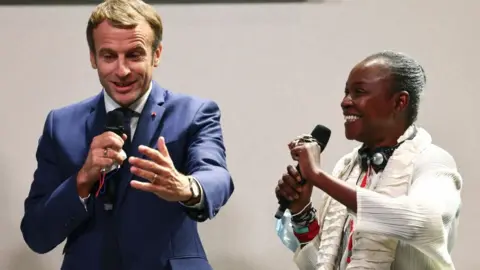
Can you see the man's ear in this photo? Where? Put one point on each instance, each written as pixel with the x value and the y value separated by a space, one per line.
pixel 156 55
pixel 93 60
pixel 401 101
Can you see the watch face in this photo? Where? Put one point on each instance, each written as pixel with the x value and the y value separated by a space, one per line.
pixel 194 188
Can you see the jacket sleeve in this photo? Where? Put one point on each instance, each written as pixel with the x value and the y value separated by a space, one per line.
pixel 52 208
pixel 206 162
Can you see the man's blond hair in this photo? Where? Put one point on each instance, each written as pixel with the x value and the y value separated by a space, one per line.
pixel 125 14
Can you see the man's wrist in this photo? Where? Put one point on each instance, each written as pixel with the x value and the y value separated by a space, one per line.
pixel 187 197
pixel 83 187
pixel 192 201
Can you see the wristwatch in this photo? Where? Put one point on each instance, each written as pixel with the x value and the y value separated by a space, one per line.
pixel 194 188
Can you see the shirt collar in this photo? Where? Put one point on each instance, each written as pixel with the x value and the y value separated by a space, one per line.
pixel 408 134
pixel 137 106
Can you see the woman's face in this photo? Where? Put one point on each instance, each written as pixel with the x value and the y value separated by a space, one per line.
pixel 369 105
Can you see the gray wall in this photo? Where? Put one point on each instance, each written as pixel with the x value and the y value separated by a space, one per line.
pixel 254 60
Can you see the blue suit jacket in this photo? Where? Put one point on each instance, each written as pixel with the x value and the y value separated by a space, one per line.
pixel 152 233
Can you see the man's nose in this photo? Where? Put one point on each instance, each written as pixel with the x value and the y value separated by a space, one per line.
pixel 122 69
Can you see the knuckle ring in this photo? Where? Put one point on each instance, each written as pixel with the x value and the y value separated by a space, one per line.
pixel 154 178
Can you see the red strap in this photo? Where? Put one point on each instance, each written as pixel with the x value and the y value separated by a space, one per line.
pixel 350 240
pixel 101 183
pixel 365 177
pixel 313 229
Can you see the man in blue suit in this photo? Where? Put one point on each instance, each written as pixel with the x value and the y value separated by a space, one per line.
pixel 143 214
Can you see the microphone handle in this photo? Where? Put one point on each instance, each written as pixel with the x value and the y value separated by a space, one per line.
pixel 321 135
pixel 111 185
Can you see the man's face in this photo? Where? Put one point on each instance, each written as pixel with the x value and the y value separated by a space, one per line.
pixel 124 60
pixel 370 107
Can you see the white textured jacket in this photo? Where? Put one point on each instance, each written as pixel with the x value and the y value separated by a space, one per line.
pixel 406 219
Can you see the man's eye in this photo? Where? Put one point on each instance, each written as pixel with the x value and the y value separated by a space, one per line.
pixel 135 55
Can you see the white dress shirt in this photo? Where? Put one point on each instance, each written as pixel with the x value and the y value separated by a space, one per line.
pixel 138 106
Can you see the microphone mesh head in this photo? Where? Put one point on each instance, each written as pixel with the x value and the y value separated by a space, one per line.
pixel 114 118
pixel 322 135
pixel 115 122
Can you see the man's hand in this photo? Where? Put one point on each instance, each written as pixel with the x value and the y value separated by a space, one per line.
pixel 165 181
pixel 104 151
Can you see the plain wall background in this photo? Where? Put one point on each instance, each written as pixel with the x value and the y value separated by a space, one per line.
pixel 276 70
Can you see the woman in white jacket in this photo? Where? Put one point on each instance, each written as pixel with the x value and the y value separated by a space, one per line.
pixel 394 201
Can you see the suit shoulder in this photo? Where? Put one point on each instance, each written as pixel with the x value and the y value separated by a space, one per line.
pixel 72 112
pixel 180 99
pixel 82 105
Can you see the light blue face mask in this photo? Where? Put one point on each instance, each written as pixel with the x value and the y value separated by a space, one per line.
pixel 285 232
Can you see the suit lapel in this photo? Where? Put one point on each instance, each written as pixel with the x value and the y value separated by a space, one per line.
pixel 95 123
pixel 149 120
pixel 147 131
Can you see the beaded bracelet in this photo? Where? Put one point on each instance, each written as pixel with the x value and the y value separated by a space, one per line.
pixel 305 225
pixel 304 217
pixel 310 233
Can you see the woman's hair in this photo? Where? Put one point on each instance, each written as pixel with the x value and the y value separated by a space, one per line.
pixel 407 75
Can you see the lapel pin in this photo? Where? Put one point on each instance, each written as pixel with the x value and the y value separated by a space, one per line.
pixel 154 114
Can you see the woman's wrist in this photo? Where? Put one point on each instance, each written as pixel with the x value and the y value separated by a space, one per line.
pixel 304 217
pixel 305 225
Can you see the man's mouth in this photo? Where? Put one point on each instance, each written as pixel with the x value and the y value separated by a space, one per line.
pixel 123 84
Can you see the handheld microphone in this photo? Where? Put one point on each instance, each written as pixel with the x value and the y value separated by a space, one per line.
pixel 114 124
pixel 321 134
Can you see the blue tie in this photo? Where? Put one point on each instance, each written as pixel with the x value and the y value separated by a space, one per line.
pixel 114 177
pixel 111 257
